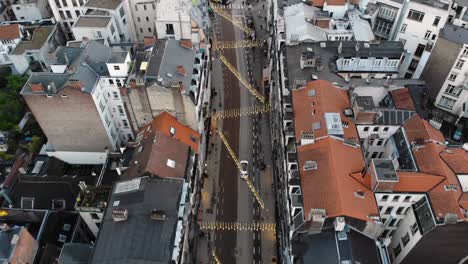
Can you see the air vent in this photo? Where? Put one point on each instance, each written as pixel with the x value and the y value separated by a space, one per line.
pixel 119 214
pixel 310 165
pixel 158 215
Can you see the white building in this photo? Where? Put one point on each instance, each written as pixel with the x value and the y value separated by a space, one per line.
pixel 96 27
pixel 459 14
pixel 83 91
pixel 10 36
pixel 173 19
pixel 447 72
pixel 31 10
pixel 144 17
pixel 416 24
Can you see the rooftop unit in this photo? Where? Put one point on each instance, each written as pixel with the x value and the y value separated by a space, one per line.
pixel 159 215
pixel 334 124
pixel 383 175
pixel 119 214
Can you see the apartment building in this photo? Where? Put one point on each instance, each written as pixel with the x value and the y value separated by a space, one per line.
pixel 10 36
pixel 96 27
pixel 144 17
pixel 415 23
pixel 88 117
pixel 305 23
pixel 400 181
pixel 31 10
pixel 335 8
pixel 173 20
pixel 458 14
pixel 30 54
pixel 447 73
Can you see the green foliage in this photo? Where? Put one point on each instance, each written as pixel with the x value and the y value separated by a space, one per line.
pixel 35 145
pixel 6 156
pixel 11 103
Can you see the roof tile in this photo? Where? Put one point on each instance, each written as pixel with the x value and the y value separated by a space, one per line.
pixel 402 99
pixel 10 32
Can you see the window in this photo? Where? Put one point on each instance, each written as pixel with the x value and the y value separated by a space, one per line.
pixel 116 95
pixel 68 14
pixel 366 129
pixel 77 12
pixel 428 34
pixel 400 210
pixel 362 62
pixel 107 120
pixel 459 64
pixel 452 76
pixel 413 65
pixel 419 50
pixel 465 52
pixel 452 90
pixel 416 15
pixel 27 203
pixel 169 29
pixel 403 28
pixel 374 155
pixel 376 129
pixel 378 62
pixel 392 63
pixel 149 30
pixel 405 239
pixel 389 210
pixel 346 62
pixel 384 198
pixel 446 102
pixel 147 18
pixel 95 216
pixel 385 129
pixel 154 7
pixel 119 84
pixel 414 228
pixel 99 34
pixel 101 105
pixel 116 67
pixel 396 198
pixel 141 30
pixel 144 7
pixel 125 123
pixel 74 3
pixel 407 198
pixel 392 222
pixel 5 57
pixel 121 12
pixel 136 7
pixel 121 111
pixel 111 81
pixel 436 21
pixel 170 163
pixel 172 131
pixel 380 142
pixel 138 19
pixel 397 250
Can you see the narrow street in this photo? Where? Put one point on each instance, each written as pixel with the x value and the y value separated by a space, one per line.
pixel 225 196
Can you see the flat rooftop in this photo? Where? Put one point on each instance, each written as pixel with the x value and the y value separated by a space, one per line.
pixel 117 57
pixel 392 49
pixel 140 239
pixel 40 35
pixel 92 21
pixel 104 4
pixel 454 33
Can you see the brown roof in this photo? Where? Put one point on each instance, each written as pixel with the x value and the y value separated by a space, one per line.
pixel 186 43
pixel 323 23
pixel 10 32
pixel 183 133
pixel 310 109
pixel 152 155
pixel 456 159
pixel 317 3
pixel 336 2
pixel 331 186
pixel 428 152
pixel 402 99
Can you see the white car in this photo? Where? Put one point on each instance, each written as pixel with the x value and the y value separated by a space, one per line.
pixel 244 168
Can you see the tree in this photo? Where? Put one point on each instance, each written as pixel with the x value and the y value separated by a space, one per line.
pixel 11 103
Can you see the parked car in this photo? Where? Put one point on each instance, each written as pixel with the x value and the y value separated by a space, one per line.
pixel 244 168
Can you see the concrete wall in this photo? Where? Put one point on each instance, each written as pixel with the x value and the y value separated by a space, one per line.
pixel 439 65
pixel 338 10
pixel 178 34
pixel 32 11
pixel 70 121
pixel 76 157
pixel 91 222
pixel 123 68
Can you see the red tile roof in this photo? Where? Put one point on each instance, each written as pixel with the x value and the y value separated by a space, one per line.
pixel 336 2
pixel 402 99
pixel 331 186
pixel 310 109
pixel 183 133
pixel 456 159
pixel 418 129
pixel 10 32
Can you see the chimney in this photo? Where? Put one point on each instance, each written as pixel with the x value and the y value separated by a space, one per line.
pixel 36 87
pixel 357 46
pixel 340 48
pixel 52 87
pixel 181 70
